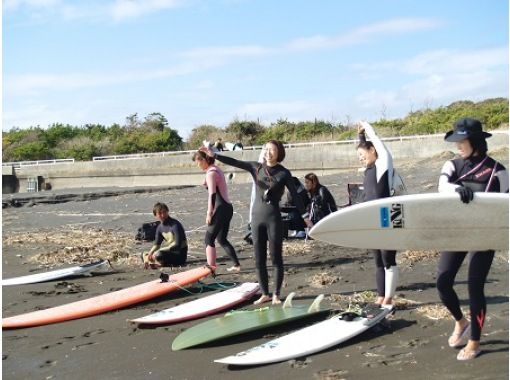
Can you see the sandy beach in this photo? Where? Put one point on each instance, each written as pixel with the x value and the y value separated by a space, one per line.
pixel 42 235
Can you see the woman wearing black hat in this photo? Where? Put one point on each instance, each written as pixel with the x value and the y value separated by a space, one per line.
pixel 473 171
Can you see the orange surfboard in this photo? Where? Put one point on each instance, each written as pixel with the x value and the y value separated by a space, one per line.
pixel 106 302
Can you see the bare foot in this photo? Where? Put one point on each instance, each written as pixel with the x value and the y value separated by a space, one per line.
pixel 263 298
pixel 276 300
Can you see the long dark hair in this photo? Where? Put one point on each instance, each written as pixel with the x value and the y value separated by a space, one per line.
pixel 315 182
pixel 479 145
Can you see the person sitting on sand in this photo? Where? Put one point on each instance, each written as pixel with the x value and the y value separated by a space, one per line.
pixel 219 211
pixel 473 171
pixel 378 163
pixel 170 246
pixel 322 202
pixel 271 178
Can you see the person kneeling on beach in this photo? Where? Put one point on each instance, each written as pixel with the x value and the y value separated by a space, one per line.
pixel 171 246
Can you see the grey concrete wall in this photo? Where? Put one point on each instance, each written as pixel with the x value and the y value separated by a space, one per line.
pixel 323 159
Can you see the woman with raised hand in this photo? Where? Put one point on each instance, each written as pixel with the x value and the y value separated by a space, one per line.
pixel 377 183
pixel 473 171
pixel 271 178
pixel 219 211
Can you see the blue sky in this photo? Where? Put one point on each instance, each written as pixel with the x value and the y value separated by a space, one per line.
pixel 212 61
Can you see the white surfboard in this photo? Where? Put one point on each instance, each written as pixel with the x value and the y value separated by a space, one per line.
pixel 309 340
pixel 202 306
pixel 55 274
pixel 435 221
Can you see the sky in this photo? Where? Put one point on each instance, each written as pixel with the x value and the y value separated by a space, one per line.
pixel 215 61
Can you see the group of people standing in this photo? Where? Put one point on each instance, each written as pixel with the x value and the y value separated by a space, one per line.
pixel 471 172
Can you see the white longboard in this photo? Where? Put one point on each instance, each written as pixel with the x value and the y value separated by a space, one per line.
pixel 309 340
pixel 55 274
pixel 202 306
pixel 435 221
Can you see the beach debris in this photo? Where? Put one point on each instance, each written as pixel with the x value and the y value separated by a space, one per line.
pixel 331 374
pixel 411 257
pixel 320 280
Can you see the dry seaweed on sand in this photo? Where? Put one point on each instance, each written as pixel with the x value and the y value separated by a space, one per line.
pixel 296 247
pixel 75 246
pixel 411 257
pixel 323 279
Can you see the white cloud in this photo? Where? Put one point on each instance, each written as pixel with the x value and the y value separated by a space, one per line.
pixel 9 5
pixel 363 34
pixel 127 9
pixel 440 76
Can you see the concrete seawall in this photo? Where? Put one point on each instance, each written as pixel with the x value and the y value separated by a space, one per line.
pixel 321 158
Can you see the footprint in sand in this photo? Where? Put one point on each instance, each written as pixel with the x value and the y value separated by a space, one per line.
pixel 298 363
pixel 93 332
pixel 45 347
pixel 330 374
pixel 48 363
pixel 77 347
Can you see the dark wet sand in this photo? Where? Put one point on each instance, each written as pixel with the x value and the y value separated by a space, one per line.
pixel 108 347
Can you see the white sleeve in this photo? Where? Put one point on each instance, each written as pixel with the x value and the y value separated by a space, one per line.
pixel 384 160
pixel 503 180
pixel 444 185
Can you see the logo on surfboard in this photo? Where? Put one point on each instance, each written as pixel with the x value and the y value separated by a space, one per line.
pixel 392 217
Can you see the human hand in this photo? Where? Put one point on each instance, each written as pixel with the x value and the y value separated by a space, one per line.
pixel 308 223
pixel 208 219
pixel 361 127
pixel 466 194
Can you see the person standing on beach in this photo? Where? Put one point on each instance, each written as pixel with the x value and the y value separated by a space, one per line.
pixel 322 202
pixel 247 237
pixel 170 246
pixel 377 183
pixel 219 211
pixel 473 171
pixel 271 178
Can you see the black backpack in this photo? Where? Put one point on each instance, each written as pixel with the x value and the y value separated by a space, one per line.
pixel 147 231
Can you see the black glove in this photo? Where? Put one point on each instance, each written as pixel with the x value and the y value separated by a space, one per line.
pixel 466 194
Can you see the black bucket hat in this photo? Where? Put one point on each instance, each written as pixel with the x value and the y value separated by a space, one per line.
pixel 466 128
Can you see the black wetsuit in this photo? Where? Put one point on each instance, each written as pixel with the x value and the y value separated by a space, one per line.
pixel 486 175
pixel 376 185
pixel 322 204
pixel 173 248
pixel 266 222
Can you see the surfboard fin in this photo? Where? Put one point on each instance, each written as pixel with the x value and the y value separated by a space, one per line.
pixel 316 304
pixel 288 300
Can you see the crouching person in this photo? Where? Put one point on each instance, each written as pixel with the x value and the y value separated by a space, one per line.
pixel 170 246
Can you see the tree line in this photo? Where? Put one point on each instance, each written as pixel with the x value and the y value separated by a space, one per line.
pixel 153 133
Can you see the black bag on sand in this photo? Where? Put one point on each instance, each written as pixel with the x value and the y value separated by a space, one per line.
pixel 147 231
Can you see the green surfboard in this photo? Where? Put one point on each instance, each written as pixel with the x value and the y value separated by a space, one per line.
pixel 244 321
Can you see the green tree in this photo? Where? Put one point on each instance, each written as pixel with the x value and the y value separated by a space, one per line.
pixel 245 132
pixel 201 133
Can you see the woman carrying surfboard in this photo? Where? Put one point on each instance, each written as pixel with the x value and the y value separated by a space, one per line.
pixel 267 227
pixel 219 211
pixel 473 171
pixel 377 183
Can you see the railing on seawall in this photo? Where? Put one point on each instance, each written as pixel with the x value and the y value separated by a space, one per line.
pixel 19 164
